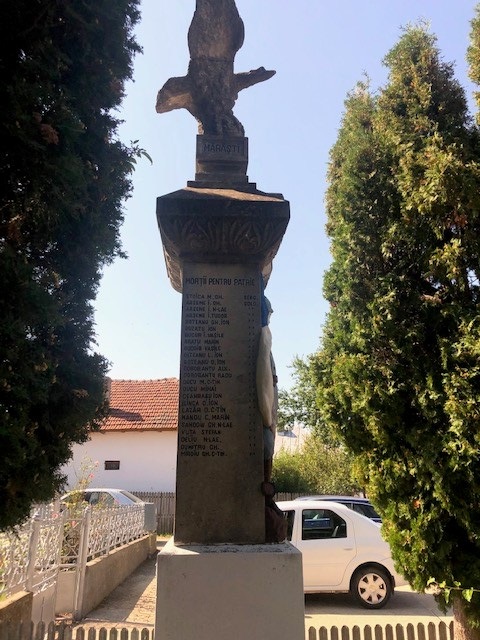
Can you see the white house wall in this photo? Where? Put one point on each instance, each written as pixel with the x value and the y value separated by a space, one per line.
pixel 291 441
pixel 147 460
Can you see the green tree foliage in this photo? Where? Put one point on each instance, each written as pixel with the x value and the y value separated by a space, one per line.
pixel 399 367
pixel 63 177
pixel 329 468
pixel 288 473
pixel 473 55
pixel 322 465
pixel 299 404
pixel 317 468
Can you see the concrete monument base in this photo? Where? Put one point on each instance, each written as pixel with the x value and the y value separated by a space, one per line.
pixel 229 592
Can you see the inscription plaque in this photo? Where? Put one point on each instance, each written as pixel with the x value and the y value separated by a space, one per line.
pixel 232 149
pixel 221 158
pixel 220 449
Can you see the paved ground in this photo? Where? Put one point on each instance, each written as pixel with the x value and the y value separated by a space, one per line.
pixel 132 604
pixel 405 607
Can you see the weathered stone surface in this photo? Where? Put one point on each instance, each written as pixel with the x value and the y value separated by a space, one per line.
pixel 221 161
pixel 216 31
pixel 228 592
pixel 210 88
pixel 220 454
pixel 219 245
pixel 220 226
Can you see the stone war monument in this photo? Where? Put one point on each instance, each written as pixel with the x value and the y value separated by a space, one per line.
pixel 228 571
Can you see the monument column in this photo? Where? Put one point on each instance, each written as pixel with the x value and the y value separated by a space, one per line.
pixel 218 577
pixel 219 245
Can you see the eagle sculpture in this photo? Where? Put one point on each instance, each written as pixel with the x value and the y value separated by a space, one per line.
pixel 210 88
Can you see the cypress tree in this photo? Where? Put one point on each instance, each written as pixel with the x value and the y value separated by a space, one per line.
pixel 399 367
pixel 64 175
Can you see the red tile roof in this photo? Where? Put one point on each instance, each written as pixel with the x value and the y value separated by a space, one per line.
pixel 139 405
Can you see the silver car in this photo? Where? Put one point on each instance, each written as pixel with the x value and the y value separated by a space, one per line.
pixel 113 497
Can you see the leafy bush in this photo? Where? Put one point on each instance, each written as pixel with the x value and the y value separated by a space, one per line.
pixel 317 468
pixel 288 475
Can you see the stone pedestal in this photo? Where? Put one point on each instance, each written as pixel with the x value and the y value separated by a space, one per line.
pixel 234 592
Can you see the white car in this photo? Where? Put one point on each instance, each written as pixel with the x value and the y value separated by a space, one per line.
pixel 342 551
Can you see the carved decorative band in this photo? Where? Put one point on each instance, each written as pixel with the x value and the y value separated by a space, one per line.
pixel 212 238
pixel 220 226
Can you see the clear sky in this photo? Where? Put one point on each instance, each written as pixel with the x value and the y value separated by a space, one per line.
pixel 319 49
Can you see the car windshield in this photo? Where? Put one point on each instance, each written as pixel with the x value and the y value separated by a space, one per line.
pixel 125 497
pixel 366 510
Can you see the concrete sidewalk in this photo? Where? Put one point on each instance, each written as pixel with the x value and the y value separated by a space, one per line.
pixel 132 604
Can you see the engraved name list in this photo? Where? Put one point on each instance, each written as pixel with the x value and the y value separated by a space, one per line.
pixel 219 342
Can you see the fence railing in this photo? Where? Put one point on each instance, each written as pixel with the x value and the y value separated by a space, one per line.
pixel 165 504
pixel 30 553
pixel 431 631
pixel 41 631
pixel 91 532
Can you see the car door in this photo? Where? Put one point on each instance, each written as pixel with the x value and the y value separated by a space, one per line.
pixel 327 543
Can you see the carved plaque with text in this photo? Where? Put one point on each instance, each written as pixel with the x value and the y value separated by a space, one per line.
pixel 220 451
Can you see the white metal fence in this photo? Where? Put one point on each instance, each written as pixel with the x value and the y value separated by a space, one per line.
pixel 420 631
pixel 91 532
pixel 30 554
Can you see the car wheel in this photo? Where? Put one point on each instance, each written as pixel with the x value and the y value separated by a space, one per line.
pixel 371 587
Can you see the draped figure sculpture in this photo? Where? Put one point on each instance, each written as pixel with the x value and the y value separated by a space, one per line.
pixel 267 397
pixel 267 391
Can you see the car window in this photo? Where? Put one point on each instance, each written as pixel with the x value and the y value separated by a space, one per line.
pixel 101 498
pixel 75 498
pixel 121 498
pixel 365 510
pixel 321 524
